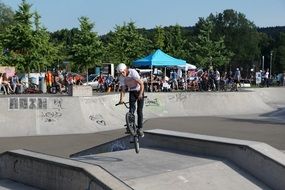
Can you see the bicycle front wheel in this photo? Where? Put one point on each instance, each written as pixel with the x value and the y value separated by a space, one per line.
pixel 130 120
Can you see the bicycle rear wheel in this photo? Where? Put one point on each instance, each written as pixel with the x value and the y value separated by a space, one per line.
pixel 137 144
pixel 130 120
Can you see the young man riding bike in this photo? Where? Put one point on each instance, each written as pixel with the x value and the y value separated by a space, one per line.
pixel 130 78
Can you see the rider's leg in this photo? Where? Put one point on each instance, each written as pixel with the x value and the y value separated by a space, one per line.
pixel 132 100
pixel 140 104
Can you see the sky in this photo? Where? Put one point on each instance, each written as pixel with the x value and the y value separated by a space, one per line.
pixel 106 14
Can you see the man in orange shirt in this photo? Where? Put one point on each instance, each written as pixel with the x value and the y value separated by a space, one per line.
pixel 49 80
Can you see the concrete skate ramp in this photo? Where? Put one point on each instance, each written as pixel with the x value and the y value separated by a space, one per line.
pixel 29 116
pixel 49 172
pixel 175 160
pixel 272 96
pixel 167 160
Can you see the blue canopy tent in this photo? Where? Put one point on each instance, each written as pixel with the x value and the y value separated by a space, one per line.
pixel 158 59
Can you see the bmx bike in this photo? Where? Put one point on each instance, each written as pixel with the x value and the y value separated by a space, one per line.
pixel 132 127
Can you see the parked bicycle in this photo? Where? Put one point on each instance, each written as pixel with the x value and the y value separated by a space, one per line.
pixel 30 88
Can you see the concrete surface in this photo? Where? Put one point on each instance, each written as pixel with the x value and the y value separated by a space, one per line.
pixel 49 172
pixel 6 184
pixel 176 152
pixel 257 114
pixel 80 90
pixel 156 169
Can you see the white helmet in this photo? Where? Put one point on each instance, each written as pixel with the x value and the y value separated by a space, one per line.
pixel 121 67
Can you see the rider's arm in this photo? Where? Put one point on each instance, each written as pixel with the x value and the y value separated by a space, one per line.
pixel 122 93
pixel 122 88
pixel 140 82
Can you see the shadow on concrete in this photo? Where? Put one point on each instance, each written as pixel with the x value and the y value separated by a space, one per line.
pixel 276 117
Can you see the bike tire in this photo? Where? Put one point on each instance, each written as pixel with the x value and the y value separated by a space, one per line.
pixel 137 144
pixel 130 121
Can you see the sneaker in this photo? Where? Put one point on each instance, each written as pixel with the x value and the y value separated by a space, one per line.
pixel 140 132
pixel 127 131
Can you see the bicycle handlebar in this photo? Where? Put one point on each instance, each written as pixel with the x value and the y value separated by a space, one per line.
pixel 126 103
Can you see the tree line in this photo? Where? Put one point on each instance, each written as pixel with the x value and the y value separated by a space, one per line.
pixel 224 41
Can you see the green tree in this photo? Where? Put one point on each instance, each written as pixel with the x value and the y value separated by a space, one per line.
pixel 278 64
pixel 207 52
pixel 87 47
pixel 6 16
pixel 240 36
pixel 6 19
pixel 44 53
pixel 65 37
pixel 175 43
pixel 17 38
pixel 28 49
pixel 159 38
pixel 126 44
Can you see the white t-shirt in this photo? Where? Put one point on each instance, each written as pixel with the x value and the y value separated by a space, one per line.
pixel 130 80
pixel 266 75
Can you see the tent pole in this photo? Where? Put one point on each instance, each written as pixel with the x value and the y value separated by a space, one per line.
pixel 151 85
pixel 186 84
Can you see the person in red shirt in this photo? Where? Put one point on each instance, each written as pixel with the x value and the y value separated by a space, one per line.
pixel 101 81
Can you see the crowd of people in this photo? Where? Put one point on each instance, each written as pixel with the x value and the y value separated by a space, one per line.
pixel 195 80
pixel 192 80
pixel 9 85
pixel 54 81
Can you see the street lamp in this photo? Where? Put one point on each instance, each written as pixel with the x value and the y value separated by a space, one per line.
pixel 270 64
pixel 262 63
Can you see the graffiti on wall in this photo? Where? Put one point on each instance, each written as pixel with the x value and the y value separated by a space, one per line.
pixel 179 97
pixel 98 118
pixel 51 109
pixel 27 103
pixel 55 111
pixel 51 116
pixel 151 102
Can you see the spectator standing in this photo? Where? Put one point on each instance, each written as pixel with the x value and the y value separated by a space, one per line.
pixel 2 86
pixel 237 77
pixel 174 77
pixel 266 77
pixel 211 81
pixel 108 82
pixel 101 82
pixel 48 80
pixel 217 79
pixel 204 82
